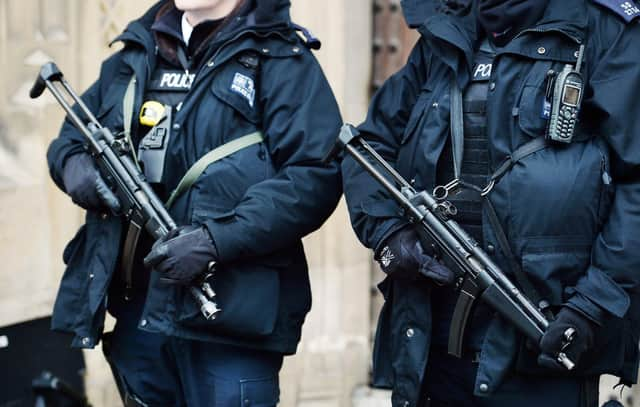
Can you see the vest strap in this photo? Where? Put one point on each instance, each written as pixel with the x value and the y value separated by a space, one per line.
pixel 457 128
pixel 525 150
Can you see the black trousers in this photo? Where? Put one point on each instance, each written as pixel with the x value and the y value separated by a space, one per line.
pixel 153 370
pixel 449 382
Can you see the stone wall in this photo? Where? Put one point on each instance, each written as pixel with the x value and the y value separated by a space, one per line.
pixel 36 220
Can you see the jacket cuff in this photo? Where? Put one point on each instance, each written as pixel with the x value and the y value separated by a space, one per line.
pixel 385 231
pixel 386 220
pixel 601 290
pixel 227 239
pixel 57 155
pixel 388 232
pixel 587 308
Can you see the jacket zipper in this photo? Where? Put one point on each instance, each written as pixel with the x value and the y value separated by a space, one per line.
pixel 541 30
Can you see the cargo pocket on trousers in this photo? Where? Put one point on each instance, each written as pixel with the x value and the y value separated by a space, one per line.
pixel 127 395
pixel 259 392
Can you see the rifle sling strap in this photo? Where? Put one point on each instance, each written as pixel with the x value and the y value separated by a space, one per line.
pixel 211 157
pixel 225 150
pixel 128 105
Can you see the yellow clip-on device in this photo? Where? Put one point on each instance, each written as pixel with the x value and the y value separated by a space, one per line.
pixel 151 113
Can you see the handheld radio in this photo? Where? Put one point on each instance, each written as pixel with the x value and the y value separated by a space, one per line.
pixel 568 89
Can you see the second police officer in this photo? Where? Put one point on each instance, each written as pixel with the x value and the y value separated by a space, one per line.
pixel 192 77
pixel 562 214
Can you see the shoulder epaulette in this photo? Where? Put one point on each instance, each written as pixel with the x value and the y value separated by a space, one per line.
pixel 628 10
pixel 310 40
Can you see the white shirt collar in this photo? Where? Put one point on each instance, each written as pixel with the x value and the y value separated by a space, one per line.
pixel 187 29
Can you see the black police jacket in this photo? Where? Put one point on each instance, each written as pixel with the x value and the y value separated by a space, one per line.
pixel 257 203
pixel 570 211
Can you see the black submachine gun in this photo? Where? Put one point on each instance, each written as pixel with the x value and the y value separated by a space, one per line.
pixel 139 203
pixel 480 277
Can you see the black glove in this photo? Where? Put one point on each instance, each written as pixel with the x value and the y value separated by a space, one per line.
pixel 85 186
pixel 402 256
pixel 182 255
pixel 554 341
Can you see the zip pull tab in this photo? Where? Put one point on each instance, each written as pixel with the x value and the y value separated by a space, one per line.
pixel 182 58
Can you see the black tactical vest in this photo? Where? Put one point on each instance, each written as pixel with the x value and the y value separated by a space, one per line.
pixel 169 86
pixel 475 170
pixel 475 164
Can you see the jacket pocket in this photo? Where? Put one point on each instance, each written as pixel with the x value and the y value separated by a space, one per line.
pixel 237 89
pixel 553 269
pixel 554 265
pixel 420 110
pixel 259 392
pixel 73 246
pixel 530 111
pixel 430 115
pixel 248 295
pixel 607 190
pixel 382 347
pixel 247 292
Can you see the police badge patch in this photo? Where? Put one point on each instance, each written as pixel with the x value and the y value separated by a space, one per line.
pixel 628 10
pixel 244 86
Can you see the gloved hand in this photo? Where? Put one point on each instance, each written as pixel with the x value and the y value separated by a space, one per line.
pixel 553 340
pixel 182 255
pixel 402 256
pixel 85 186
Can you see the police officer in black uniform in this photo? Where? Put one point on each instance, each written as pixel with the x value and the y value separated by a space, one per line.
pixel 196 77
pixel 548 170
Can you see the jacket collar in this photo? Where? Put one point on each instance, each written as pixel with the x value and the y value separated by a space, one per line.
pixel 260 16
pixel 453 38
pixel 568 17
